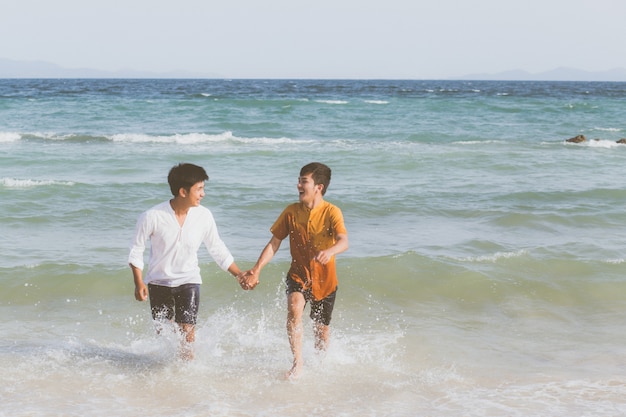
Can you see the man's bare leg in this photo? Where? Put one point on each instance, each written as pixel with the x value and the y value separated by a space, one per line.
pixel 188 332
pixel 322 336
pixel 295 307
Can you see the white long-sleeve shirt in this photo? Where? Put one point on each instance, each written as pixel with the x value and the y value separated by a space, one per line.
pixel 174 249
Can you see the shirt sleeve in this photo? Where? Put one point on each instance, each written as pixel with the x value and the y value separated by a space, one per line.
pixel 280 228
pixel 216 247
pixel 337 221
pixel 138 244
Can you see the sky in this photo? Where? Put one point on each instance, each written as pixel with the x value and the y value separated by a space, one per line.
pixel 408 39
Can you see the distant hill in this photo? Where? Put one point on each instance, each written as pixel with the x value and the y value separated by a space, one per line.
pixel 558 74
pixel 40 69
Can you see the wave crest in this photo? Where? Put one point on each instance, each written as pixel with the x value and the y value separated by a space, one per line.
pixel 199 138
pixel 176 139
pixel 6 137
pixel 28 183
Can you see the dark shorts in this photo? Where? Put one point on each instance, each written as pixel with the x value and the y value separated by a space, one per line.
pixel 178 303
pixel 322 310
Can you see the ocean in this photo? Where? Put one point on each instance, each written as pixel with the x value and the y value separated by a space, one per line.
pixel 485 275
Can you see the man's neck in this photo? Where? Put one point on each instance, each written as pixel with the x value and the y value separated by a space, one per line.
pixel 315 203
pixel 179 206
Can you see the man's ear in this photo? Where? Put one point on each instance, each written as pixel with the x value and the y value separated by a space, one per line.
pixel 182 192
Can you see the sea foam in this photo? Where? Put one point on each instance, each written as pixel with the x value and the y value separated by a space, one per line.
pixel 28 183
pixel 6 137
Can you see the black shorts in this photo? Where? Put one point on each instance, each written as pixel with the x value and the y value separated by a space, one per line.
pixel 178 303
pixel 322 310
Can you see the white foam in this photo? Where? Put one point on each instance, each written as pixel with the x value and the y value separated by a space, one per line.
pixel 190 138
pixel 199 138
pixel 608 129
pixel 28 183
pixel 52 136
pixel 478 142
pixel 495 257
pixel 439 375
pixel 6 137
pixel 376 101
pixel 331 101
pixel 601 143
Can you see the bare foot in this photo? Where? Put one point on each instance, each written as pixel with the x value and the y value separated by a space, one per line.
pixel 294 372
pixel 186 352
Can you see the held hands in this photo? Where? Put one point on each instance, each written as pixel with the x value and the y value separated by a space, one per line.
pixel 248 280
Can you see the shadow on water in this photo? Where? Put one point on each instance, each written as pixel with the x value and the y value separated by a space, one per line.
pixel 80 353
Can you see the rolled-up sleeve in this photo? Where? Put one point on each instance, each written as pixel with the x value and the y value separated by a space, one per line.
pixel 138 244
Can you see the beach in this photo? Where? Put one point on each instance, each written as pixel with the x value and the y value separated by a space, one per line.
pixel 485 275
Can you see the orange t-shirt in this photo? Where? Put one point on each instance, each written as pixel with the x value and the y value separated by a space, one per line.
pixel 311 231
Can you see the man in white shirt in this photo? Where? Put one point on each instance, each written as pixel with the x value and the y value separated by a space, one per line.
pixel 176 229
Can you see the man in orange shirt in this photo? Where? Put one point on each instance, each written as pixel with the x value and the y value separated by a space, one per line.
pixel 316 234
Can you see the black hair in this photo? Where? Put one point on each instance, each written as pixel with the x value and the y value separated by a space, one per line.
pixel 185 176
pixel 319 172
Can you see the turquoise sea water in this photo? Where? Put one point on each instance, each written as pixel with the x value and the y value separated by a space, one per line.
pixel 485 274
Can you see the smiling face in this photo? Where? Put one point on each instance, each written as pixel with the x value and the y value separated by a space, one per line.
pixel 194 196
pixel 309 192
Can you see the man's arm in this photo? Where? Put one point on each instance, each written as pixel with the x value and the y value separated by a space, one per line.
pixel 234 270
pixel 252 276
pixel 341 245
pixel 141 291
